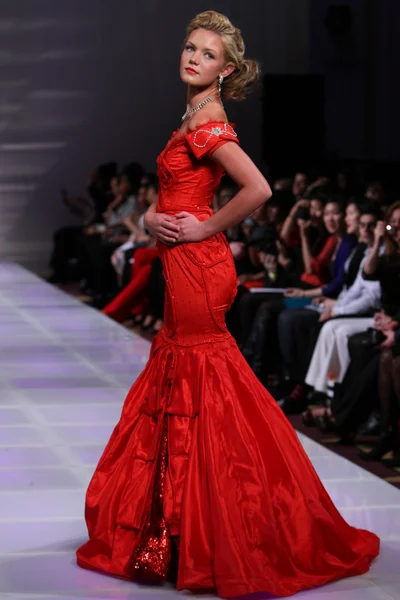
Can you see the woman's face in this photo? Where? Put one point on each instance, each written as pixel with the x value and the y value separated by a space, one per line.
pixel 333 218
pixel 395 224
pixel 203 59
pixel 316 210
pixel 352 219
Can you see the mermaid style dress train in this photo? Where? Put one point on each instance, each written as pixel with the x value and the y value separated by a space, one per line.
pixel 202 455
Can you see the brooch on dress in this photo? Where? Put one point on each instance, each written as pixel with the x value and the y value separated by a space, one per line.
pixel 214 131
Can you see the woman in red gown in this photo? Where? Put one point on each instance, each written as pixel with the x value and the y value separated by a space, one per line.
pixel 203 464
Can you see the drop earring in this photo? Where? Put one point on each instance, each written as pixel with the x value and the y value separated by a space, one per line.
pixel 220 80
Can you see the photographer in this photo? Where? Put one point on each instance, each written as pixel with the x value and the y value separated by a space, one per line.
pixel 386 270
pixel 369 370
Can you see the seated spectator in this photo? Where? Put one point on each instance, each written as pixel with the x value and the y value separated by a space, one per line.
pixel 121 258
pixel 386 269
pixel 296 326
pixel 67 240
pixel 98 247
pixel 389 397
pixel 306 217
pixel 331 259
pixel 258 312
pixel 267 221
pixel 360 301
pixel 245 250
pixel 357 395
pixel 264 324
pixel 133 299
pixel 100 189
pixel 125 203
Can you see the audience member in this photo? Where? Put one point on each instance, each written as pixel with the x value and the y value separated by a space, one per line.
pixel 299 247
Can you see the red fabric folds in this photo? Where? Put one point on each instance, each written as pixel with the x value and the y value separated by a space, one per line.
pixel 239 491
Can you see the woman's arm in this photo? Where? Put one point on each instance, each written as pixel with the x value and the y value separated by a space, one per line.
pixel 148 214
pixel 299 293
pixel 131 223
pixel 115 203
pixel 161 226
pixel 289 223
pixel 305 248
pixel 131 226
pixel 371 263
pixel 254 192
pixel 320 264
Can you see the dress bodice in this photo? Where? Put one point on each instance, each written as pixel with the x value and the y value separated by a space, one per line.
pixel 187 176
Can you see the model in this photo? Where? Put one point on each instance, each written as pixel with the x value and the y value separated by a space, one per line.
pixel 203 465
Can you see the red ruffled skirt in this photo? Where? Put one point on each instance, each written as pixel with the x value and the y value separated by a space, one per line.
pixel 204 455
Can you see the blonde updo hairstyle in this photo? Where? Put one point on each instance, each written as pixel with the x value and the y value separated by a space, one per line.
pixel 247 72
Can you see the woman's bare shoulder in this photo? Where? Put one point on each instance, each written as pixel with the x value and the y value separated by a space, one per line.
pixel 208 115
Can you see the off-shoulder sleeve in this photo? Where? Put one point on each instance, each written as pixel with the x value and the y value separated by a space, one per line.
pixel 205 139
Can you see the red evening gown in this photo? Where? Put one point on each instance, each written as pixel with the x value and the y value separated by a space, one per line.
pixel 202 453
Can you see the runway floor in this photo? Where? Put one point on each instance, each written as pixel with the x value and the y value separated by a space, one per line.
pixel 64 372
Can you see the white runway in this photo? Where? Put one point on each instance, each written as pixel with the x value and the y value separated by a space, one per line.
pixel 64 373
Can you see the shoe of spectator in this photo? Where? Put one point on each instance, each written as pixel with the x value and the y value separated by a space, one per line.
pixel 372 425
pixel 387 441
pixel 292 407
pixel 320 400
pixel 325 424
pixel 392 462
pixel 137 320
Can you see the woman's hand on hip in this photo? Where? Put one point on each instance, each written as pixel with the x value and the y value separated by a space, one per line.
pixel 190 228
pixel 163 227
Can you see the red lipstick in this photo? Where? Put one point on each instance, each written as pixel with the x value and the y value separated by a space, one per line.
pixel 191 71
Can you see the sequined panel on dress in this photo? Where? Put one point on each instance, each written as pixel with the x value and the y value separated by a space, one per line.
pixel 152 559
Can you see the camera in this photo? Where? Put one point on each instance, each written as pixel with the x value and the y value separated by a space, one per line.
pixel 390 230
pixel 374 338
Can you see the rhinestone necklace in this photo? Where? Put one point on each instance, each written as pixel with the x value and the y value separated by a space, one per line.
pixel 197 107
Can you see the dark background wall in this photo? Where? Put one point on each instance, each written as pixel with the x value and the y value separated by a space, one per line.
pixel 362 86
pixel 95 80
